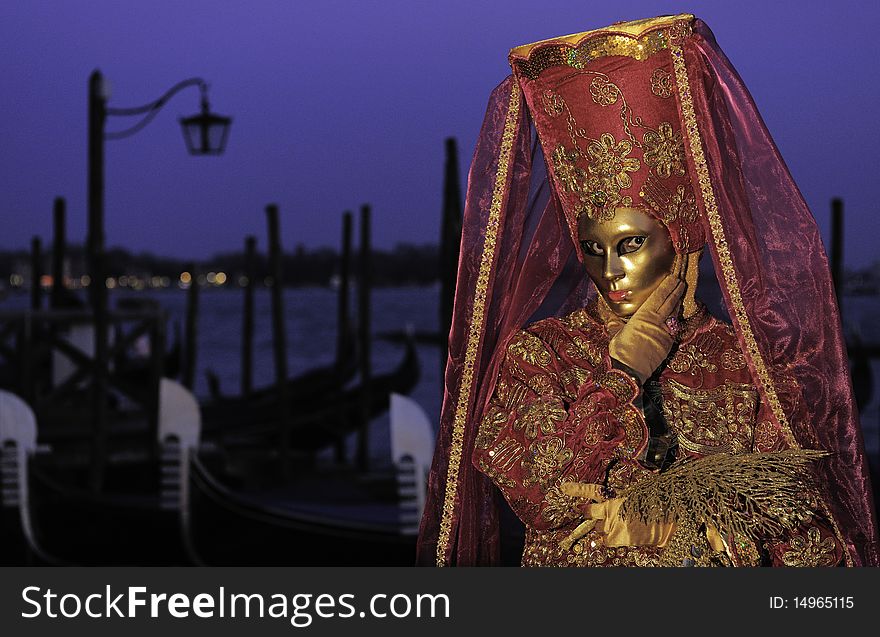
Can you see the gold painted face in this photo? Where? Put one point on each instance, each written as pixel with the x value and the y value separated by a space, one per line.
pixel 626 257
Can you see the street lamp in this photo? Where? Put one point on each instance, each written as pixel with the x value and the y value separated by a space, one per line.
pixel 205 134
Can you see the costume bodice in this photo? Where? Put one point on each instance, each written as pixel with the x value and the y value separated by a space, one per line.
pixel 561 412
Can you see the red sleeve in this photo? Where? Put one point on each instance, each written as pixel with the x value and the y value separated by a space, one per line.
pixel 539 431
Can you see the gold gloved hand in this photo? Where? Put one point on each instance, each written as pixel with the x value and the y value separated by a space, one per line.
pixel 603 516
pixel 645 341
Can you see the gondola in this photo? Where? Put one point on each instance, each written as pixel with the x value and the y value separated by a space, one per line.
pixel 226 527
pixel 73 526
pixel 310 386
pixel 315 422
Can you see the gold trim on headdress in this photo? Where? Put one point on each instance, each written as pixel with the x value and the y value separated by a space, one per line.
pixel 637 39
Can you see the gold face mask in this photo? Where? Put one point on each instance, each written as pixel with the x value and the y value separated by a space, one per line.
pixel 626 257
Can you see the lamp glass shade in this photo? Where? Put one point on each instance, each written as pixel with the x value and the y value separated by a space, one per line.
pixel 205 133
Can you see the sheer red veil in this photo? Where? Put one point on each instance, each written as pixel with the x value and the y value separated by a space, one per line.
pixel 519 263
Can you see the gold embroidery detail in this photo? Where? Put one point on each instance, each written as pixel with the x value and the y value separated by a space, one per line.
pixel 682 205
pixel 680 30
pixel 506 454
pixel 572 378
pixel 553 104
pixel 598 194
pixel 634 429
pixel 608 160
pixel 542 549
pixel 530 349
pixel 811 550
pixel 664 151
pixel 541 385
pixel 476 326
pixel 497 476
pixel 766 436
pixel 540 417
pixel 548 458
pixel 661 83
pixel 733 360
pixel 491 425
pixel 697 356
pixel 604 91
pixel 584 349
pixel 595 427
pixel 709 421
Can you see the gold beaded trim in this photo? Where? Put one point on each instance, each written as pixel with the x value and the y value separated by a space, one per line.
pixel 476 325
pixel 711 207
pixel 578 57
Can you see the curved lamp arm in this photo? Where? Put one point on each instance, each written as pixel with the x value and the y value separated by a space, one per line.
pixel 152 109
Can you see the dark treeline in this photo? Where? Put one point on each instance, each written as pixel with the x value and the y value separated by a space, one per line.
pixel 405 264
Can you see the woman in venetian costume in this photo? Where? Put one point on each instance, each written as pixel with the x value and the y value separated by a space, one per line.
pixel 622 422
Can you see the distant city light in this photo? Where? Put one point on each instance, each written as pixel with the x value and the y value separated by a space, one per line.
pixel 16 280
pixel 46 281
pixel 185 278
pixel 110 283
pixel 85 280
pixel 122 281
pixel 220 279
pixel 212 277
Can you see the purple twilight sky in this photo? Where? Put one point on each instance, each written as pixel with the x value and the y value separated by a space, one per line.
pixel 340 103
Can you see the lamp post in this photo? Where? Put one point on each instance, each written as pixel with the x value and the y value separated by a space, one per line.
pixel 205 134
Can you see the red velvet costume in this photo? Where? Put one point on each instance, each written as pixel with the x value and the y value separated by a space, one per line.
pixel 560 413
pixel 651 115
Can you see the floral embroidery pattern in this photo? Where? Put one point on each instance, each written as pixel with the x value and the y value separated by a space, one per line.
pixel 604 91
pixel 594 427
pixel 598 195
pixel 541 416
pixel 711 420
pixel 696 357
pixel 664 151
pixel 529 349
pixel 548 458
pixel 661 83
pixel 733 360
pixel 810 550
pixel 608 159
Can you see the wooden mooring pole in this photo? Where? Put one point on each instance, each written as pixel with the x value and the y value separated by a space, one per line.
pixel 36 273
pixel 450 245
pixel 364 341
pixel 344 303
pixel 343 317
pixel 59 246
pixel 191 329
pixel 247 328
pixel 279 335
pixel 97 109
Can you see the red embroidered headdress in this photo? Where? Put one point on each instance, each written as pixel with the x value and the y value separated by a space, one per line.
pixel 649 114
pixel 608 122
